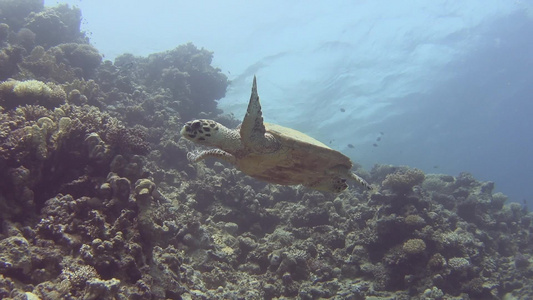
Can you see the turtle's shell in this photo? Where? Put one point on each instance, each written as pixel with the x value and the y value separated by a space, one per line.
pixel 300 160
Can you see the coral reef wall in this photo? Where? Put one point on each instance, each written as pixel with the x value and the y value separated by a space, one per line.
pixel 98 200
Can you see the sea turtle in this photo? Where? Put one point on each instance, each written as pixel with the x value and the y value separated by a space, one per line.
pixel 272 153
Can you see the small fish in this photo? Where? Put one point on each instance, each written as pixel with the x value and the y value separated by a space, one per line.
pixel 381 132
pixel 343 110
pixel 378 139
pixel 375 145
pixel 351 146
pixel 435 167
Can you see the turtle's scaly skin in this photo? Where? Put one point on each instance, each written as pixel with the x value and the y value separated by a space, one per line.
pixel 271 152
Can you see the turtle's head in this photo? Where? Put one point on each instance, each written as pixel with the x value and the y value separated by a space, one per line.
pixel 211 133
pixel 201 131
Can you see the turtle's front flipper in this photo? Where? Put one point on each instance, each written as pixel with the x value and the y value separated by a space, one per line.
pixel 196 156
pixel 252 130
pixel 356 178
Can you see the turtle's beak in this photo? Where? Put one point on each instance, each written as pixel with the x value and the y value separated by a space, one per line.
pixel 186 129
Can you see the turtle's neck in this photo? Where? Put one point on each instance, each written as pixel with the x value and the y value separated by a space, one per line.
pixel 227 139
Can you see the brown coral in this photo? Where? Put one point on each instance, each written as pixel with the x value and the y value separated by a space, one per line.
pixel 10 57
pixel 403 181
pixel 63 63
pixel 414 246
pixel 414 220
pixel 15 93
pixel 128 140
pixel 55 25
pixel 14 12
pixel 84 56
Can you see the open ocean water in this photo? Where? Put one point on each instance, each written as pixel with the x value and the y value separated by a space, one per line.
pixel 448 83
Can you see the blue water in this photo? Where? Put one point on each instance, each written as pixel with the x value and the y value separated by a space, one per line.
pixel 446 86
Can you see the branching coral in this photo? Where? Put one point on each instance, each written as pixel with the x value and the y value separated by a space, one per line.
pixel 403 181
pixel 81 92
pixel 15 93
pixel 459 263
pixel 414 246
pixel 414 220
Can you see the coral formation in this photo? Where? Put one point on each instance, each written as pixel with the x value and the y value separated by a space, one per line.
pixel 15 93
pixel 25 38
pixel 99 201
pixel 10 57
pixel 403 181
pixel 4 32
pixel 14 12
pixel 185 72
pixel 55 25
pixel 62 63
pixel 414 246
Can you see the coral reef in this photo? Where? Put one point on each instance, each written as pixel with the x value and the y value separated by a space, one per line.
pixel 414 246
pixel 14 12
pixel 403 181
pixel 4 32
pixel 61 63
pixel 185 73
pixel 44 152
pixel 55 25
pixel 10 57
pixel 15 93
pixel 99 201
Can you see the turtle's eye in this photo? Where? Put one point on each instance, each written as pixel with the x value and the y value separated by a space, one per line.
pixel 196 125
